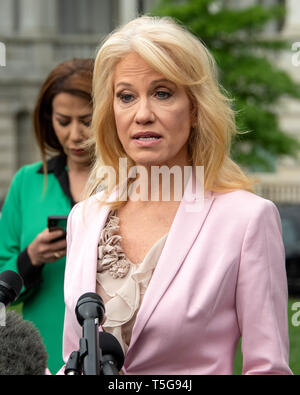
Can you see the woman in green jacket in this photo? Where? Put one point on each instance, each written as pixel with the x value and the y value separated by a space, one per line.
pixel 61 123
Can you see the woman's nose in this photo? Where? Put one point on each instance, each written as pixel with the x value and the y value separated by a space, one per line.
pixel 75 131
pixel 144 113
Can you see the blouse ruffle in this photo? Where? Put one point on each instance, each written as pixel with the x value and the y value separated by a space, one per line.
pixel 121 283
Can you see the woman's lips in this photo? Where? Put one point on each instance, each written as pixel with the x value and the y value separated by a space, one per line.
pixel 147 139
pixel 145 134
pixel 77 151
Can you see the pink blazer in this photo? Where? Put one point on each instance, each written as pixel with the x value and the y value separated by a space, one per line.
pixel 221 275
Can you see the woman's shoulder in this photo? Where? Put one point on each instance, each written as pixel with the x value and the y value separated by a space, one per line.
pixel 241 195
pixel 29 170
pixel 88 207
pixel 91 202
pixel 25 175
pixel 244 203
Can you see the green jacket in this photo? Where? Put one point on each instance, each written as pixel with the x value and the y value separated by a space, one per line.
pixel 24 216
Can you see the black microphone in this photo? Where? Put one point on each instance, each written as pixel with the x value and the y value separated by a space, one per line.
pixel 22 351
pixel 112 354
pixel 11 284
pixel 90 313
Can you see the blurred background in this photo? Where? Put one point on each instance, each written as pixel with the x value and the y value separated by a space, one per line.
pixel 256 44
pixel 250 39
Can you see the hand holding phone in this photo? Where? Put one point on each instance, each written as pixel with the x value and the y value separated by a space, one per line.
pixel 48 246
pixel 56 222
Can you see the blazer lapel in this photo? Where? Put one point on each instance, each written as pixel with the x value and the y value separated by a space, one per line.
pixel 187 224
pixel 90 249
pixel 93 222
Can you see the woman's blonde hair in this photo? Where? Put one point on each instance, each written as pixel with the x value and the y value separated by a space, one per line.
pixel 177 54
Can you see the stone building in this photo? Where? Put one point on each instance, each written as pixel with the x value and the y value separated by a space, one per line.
pixel 283 186
pixel 36 35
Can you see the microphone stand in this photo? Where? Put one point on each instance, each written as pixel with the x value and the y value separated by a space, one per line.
pixel 74 366
pixel 89 311
pixel 89 359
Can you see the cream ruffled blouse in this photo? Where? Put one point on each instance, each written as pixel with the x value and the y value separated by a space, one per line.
pixel 121 283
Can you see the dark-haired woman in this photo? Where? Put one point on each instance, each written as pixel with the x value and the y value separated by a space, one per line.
pixel 61 123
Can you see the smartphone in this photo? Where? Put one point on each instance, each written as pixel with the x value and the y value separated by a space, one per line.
pixel 56 222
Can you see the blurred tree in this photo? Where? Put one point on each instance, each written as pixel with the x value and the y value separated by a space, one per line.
pixel 234 36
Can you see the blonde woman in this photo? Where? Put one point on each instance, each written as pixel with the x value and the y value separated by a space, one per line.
pixel 182 278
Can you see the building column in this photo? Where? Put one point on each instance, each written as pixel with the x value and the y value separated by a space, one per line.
pixel 6 17
pixel 8 146
pixel 128 10
pixel 37 17
pixel 292 19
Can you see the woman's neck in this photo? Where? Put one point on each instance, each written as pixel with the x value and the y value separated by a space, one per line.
pixel 80 168
pixel 159 183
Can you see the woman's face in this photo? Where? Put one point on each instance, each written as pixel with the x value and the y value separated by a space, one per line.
pixel 71 118
pixel 152 114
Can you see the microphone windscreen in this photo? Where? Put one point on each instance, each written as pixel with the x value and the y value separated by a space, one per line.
pixel 22 351
pixel 110 346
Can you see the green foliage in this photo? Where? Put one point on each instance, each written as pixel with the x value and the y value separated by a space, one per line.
pixel 256 84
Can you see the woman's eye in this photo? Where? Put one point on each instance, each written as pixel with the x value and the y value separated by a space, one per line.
pixel 125 97
pixel 163 94
pixel 63 123
pixel 87 123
